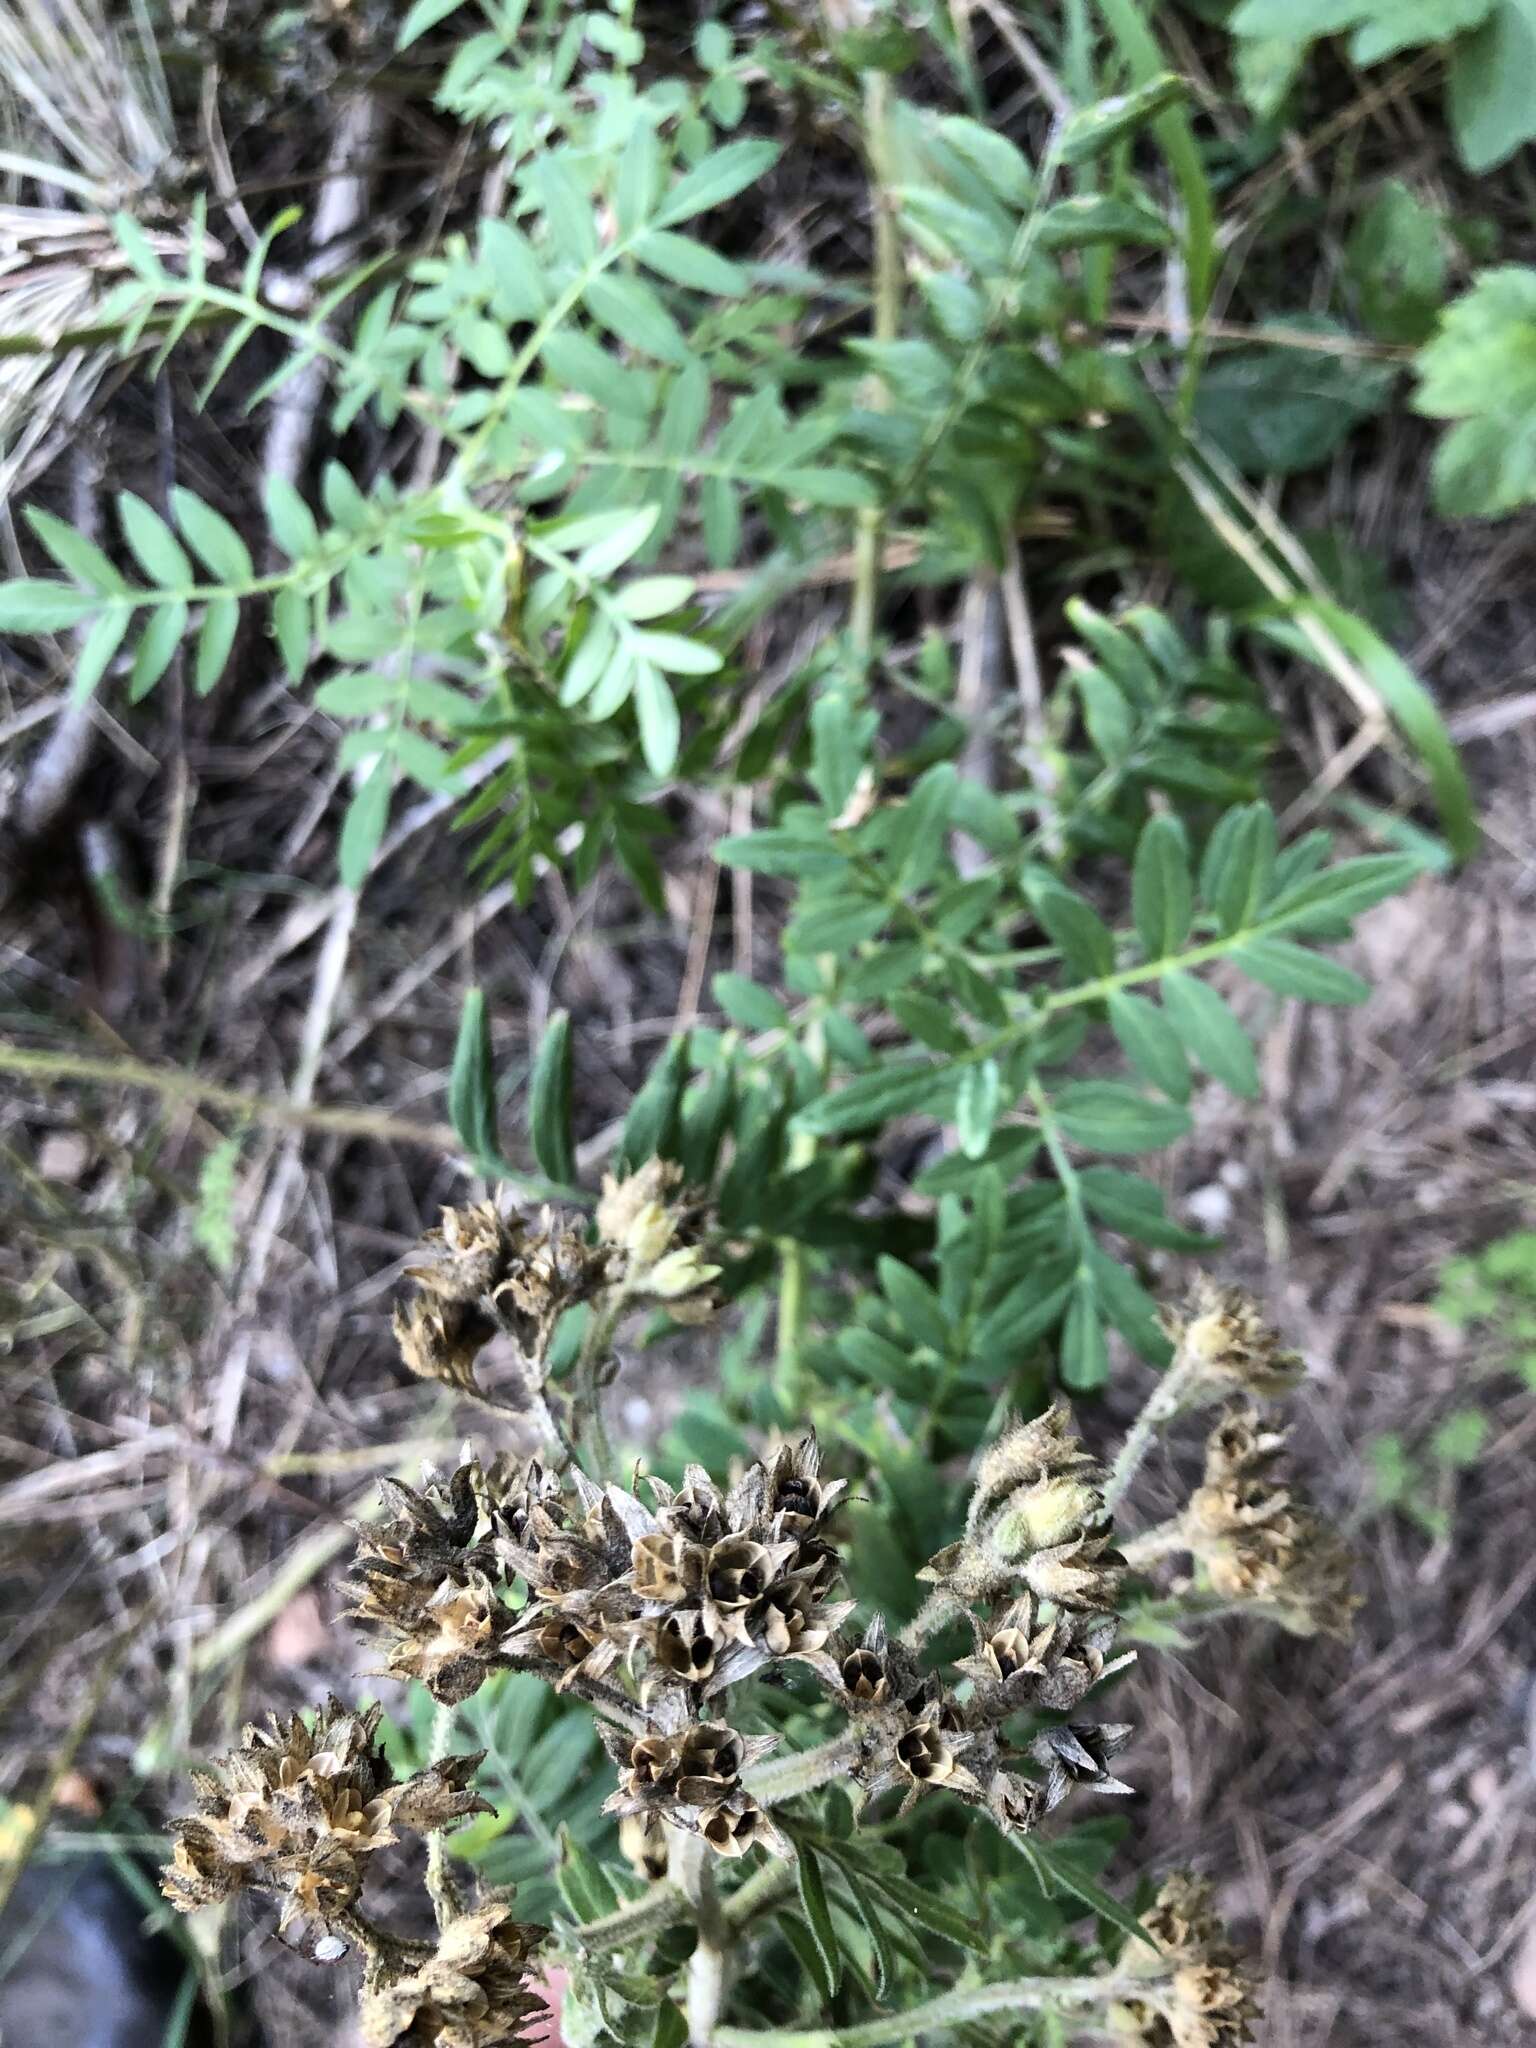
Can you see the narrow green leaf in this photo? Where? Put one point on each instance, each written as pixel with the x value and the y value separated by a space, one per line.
pixel 221 621
pixel 155 548
pixel 877 1097
pixel 472 1081
pixel 1413 711
pixel 549 1102
pixel 748 1003
pixel 98 648
pixel 420 16
pixel 686 262
pixel 289 519
pixel 1097 128
pixel 651 1129
pixel 157 644
pixel 1150 1042
pixel 977 1101
pixel 31 605
pixel 1162 893
pixel 660 726
pixel 363 826
pixel 1107 1116
pixel 1211 1032
pixel 1293 970
pixel 717 178
pixel 75 555
pixel 1054 1871
pixel 1084 1351
pixel 1071 922
pixel 290 629
pixel 676 654
pixel 212 536
pixel 818 1915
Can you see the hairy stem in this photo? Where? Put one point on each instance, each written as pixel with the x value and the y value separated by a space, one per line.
pixel 950 2009
pixel 1161 1405
pixel 441 1889
pixel 709 1965
pixel 1153 1544
pixel 786 1777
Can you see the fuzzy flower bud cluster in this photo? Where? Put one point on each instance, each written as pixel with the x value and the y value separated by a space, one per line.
pixel 297 1810
pixel 1035 1579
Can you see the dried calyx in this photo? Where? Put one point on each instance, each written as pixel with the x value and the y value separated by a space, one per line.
pixel 425 1581
pixel 1035 1579
pixel 297 1810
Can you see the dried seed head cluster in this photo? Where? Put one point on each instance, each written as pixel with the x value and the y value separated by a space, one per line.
pixel 487 1271
pixel 1224 1346
pixel 1036 1561
pixel 1256 1543
pixel 425 1583
pixel 467 1991
pixel 482 1272
pixel 297 1809
pixel 693 1591
pixel 1204 1998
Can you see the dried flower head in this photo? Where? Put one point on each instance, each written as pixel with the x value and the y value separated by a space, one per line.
pixel 1078 1754
pixel 1226 1346
pixel 469 1992
pixel 467 1256
pixel 1022 1660
pixel 442 1339
pixel 422 1582
pixel 1203 1997
pixel 1256 1543
pixel 298 1808
pixel 690 1778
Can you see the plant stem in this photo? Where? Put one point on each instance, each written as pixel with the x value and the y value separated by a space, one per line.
pixel 441 1889
pixel 787 1777
pixel 588 1423
pixel 950 2009
pixel 659 1908
pixel 1152 1544
pixel 175 1085
pixel 709 1965
pixel 1161 1405
pixel 887 295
